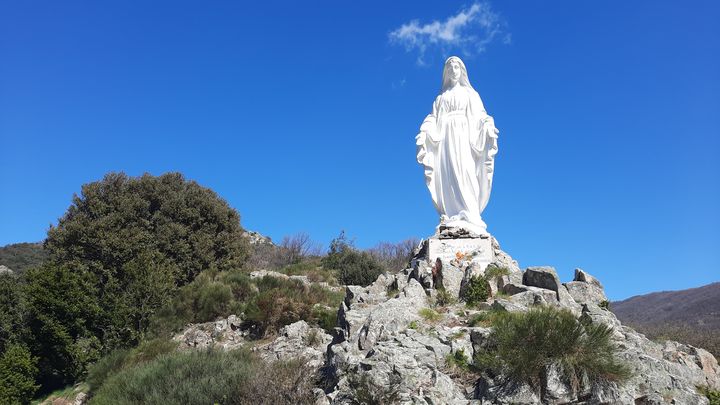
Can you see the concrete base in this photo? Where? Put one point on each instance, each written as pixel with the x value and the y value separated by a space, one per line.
pixel 457 248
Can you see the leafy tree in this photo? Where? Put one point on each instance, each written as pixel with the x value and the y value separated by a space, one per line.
pixel 121 251
pixel 167 217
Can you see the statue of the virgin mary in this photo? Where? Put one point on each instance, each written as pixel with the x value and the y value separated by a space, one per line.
pixel 456 145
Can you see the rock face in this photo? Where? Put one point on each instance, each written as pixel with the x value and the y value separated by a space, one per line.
pixel 392 344
pixel 225 333
pixel 5 270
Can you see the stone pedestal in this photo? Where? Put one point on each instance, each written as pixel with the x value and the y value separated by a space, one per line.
pixel 457 246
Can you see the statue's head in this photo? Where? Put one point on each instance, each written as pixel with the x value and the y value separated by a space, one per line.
pixel 454 73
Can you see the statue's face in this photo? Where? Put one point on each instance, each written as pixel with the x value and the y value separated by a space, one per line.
pixel 455 71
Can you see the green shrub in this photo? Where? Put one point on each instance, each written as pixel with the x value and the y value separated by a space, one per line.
pixel 482 319
pixel 712 395
pixel 282 302
pixel 120 359
pixel 105 367
pixel 604 304
pixel 116 256
pixel 18 370
pixel 476 291
pixel 458 360
pixel 353 267
pixel 430 315
pixel 494 271
pixel 525 345
pixel 413 325
pixel 325 318
pixel 444 298
pixel 209 377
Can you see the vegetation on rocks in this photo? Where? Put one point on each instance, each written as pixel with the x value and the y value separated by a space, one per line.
pixel 209 377
pixel 120 252
pixel 712 395
pixel 268 303
pixel 525 345
pixel 353 267
pixel 476 291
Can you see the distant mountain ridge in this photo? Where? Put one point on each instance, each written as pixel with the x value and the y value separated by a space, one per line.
pixel 20 256
pixel 690 316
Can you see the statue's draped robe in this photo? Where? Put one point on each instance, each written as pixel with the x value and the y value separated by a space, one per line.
pixel 456 145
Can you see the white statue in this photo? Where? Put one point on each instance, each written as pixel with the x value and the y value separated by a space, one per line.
pixel 456 145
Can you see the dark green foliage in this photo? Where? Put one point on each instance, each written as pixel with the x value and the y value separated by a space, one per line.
pixel 13 311
pixel 430 315
pixel 282 302
pixel 312 269
pixel 476 291
pixel 444 298
pixel 605 304
pixel 119 217
pixel 458 359
pixel 268 303
pixel 120 359
pixel 483 319
pixel 353 266
pixel 64 322
pixel 207 298
pixel 22 256
pixel 325 318
pixel 17 375
pixel 111 364
pixel 712 395
pixel 493 271
pixel 525 345
pixel 209 377
pixel 117 255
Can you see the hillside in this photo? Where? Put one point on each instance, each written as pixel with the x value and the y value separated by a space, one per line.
pixel 691 316
pixel 21 256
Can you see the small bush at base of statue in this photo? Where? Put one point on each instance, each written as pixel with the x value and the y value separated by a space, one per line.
pixel 476 291
pixel 525 346
pixel 208 377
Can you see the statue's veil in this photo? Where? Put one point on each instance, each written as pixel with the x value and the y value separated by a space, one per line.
pixel 446 82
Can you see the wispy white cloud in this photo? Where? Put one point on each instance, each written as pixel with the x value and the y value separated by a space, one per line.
pixel 471 30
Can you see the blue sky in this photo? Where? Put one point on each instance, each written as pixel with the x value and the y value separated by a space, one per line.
pixel 303 117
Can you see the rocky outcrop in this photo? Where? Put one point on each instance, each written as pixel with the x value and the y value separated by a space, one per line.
pixel 392 346
pixel 256 238
pixel 226 333
pixel 5 270
pixel 297 341
pixel 301 279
